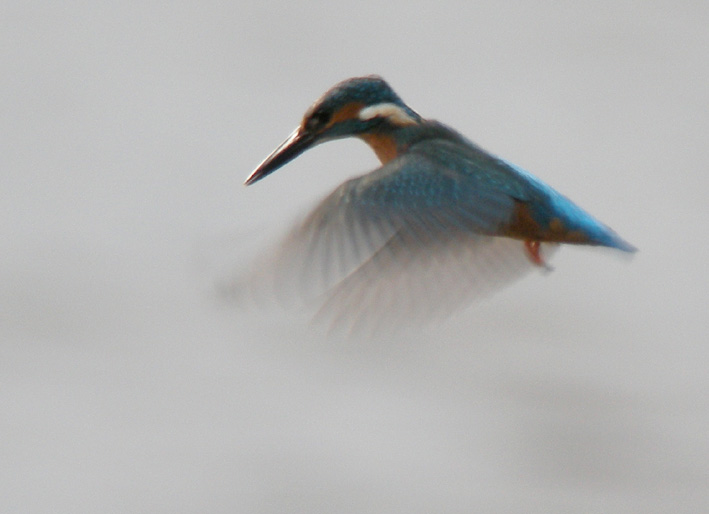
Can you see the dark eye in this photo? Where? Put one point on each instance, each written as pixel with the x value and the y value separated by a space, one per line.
pixel 318 119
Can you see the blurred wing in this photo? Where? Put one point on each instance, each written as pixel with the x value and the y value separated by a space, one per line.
pixel 398 287
pixel 417 225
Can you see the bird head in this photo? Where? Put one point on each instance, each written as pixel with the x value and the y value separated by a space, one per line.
pixel 355 107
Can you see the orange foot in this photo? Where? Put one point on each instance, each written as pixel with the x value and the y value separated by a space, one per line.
pixel 532 248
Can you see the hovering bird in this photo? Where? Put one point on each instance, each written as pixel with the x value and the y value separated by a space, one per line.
pixel 440 222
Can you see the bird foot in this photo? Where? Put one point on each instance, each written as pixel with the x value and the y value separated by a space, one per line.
pixel 534 255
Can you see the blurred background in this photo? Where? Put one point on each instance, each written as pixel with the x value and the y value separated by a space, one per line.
pixel 128 385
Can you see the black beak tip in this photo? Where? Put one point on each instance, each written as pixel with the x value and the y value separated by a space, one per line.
pixel 265 168
pixel 253 177
pixel 291 148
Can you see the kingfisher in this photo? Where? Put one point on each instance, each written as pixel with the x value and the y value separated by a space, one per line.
pixel 440 222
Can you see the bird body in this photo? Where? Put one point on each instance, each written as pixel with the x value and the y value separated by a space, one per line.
pixel 442 166
pixel 435 192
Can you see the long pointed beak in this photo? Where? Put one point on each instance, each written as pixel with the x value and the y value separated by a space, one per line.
pixel 298 142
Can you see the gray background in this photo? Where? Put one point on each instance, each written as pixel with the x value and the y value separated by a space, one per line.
pixel 126 385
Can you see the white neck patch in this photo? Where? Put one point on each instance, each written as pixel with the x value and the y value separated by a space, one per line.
pixel 392 112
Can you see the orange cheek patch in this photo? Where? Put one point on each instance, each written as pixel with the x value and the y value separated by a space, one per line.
pixel 349 111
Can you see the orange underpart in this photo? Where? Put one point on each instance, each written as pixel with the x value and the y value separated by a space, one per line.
pixel 383 145
pixel 524 226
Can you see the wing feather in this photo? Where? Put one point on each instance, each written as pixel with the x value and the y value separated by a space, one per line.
pixel 414 239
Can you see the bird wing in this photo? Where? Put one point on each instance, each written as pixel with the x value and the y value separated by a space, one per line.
pixel 398 287
pixel 415 237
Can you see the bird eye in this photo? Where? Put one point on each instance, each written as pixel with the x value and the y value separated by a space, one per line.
pixel 318 119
